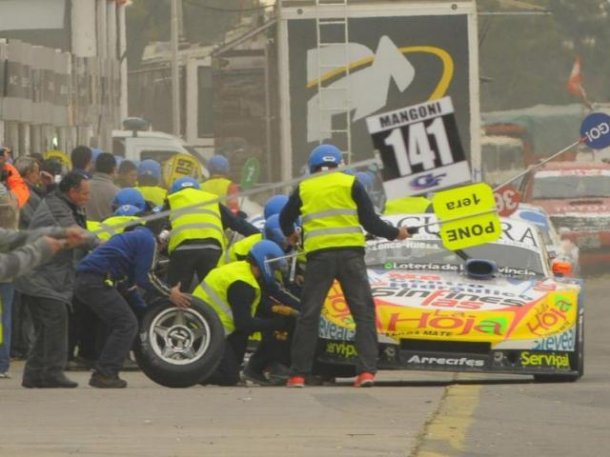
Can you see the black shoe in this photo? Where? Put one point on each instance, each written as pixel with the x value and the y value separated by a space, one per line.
pixel 257 377
pixel 106 382
pixel 31 383
pixel 59 381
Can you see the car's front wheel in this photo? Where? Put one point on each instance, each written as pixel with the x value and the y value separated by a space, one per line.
pixel 179 347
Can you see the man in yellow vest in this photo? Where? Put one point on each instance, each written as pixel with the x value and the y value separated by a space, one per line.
pixel 236 291
pixel 197 238
pixel 219 184
pixel 334 207
pixel 149 178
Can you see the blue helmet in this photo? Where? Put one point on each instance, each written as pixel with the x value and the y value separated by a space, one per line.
pixel 218 165
pixel 149 167
pixel 322 155
pixel 273 231
pixel 365 179
pixel 184 183
pixel 275 205
pixel 127 210
pixel 129 196
pixel 264 255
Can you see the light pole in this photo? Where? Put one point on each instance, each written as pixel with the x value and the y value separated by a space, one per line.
pixel 175 68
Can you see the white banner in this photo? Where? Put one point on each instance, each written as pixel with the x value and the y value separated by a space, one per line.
pixel 32 14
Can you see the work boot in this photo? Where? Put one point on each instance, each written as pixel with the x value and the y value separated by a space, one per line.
pixel 106 382
pixel 58 381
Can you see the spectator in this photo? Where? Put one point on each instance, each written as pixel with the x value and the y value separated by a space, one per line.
pixel 128 174
pixel 103 189
pixel 48 289
pixel 29 168
pixel 82 160
pixel 19 261
pixel 51 172
pixel 11 179
pixel 22 331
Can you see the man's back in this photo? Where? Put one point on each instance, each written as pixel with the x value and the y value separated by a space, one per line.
pixel 103 191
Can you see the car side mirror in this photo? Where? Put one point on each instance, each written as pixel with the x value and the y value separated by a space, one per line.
pixel 561 268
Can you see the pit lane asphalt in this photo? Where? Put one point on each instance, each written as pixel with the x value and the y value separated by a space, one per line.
pixel 411 414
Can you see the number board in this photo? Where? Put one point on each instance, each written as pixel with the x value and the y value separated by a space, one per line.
pixel 420 148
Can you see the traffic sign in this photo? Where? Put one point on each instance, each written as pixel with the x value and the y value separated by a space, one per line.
pixel 507 200
pixel 250 173
pixel 179 166
pixel 420 148
pixel 468 216
pixel 595 130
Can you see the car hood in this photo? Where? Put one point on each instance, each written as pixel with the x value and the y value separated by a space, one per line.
pixel 505 312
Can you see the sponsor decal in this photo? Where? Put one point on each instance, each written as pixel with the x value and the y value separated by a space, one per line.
pixel 428 180
pixel 341 349
pixel 331 331
pixel 443 361
pixel 551 360
pixel 508 271
pixel 451 324
pixel 565 341
pixel 552 316
pixel 456 299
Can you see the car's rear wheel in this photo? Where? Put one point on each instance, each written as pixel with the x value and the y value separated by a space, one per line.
pixel 179 347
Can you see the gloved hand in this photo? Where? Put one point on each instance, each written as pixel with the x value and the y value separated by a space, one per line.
pixel 284 310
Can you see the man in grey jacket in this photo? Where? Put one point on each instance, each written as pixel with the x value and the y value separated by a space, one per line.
pixel 103 189
pixel 48 289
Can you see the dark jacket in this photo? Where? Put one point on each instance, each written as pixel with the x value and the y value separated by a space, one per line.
pixel 55 279
pixel 27 211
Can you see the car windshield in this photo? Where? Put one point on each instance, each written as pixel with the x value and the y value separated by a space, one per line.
pixel 429 254
pixel 571 186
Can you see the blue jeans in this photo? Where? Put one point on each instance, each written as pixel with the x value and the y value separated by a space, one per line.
pixel 7 290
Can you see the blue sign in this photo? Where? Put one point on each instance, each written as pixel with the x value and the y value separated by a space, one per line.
pixel 595 130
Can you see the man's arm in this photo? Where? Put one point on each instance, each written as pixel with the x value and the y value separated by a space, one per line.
pixel 367 216
pixel 12 239
pixel 230 220
pixel 290 213
pixel 241 298
pixel 26 258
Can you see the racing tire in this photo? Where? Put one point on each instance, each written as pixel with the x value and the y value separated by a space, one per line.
pixel 577 359
pixel 179 348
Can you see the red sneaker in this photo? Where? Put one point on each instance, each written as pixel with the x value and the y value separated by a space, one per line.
pixel 365 379
pixel 295 381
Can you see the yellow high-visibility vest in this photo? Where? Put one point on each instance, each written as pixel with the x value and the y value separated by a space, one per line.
pixel 240 249
pixel 217 186
pixel 153 194
pixel 196 223
pixel 213 290
pixel 329 213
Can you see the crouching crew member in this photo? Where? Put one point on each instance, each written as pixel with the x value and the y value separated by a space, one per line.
pixel 236 291
pixel 128 258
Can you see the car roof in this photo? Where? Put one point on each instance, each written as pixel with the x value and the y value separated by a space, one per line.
pixel 143 134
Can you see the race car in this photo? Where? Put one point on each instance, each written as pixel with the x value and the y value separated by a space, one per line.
pixel 558 247
pixel 492 308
